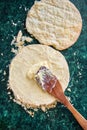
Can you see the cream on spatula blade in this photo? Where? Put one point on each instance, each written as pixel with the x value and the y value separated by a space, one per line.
pixel 50 83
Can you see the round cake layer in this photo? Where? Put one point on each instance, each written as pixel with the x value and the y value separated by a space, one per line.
pixel 23 68
pixel 54 22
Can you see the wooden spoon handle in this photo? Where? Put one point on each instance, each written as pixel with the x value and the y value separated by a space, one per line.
pixel 58 93
pixel 81 120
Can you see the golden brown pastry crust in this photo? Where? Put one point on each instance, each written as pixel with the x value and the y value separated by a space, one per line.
pixel 54 22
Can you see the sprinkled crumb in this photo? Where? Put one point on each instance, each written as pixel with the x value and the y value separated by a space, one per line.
pixel 3 80
pixel 43 108
pixel 35 109
pixel 48 114
pixel 8 87
pixel 79 73
pixel 0 71
pixel 19 36
pixel 68 89
pixel 27 39
pixel 9 92
pixel 69 98
pixel 4 72
pixel 15 24
pixel 11 98
pixel 14 100
pixel 19 40
pixel 1 54
pixel 30 113
pixel 14 50
pixel 13 41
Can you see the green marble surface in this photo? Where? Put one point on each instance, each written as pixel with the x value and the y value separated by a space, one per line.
pixel 13 116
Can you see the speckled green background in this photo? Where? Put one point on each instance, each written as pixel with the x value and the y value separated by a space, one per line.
pixel 13 116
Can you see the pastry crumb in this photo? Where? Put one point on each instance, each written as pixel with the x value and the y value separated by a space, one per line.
pixel 9 92
pixel 14 50
pixel 69 89
pixel 19 40
pixel 27 39
pixel 30 113
pixel 4 72
pixel 13 41
pixel 1 54
pixel 19 36
pixel 43 108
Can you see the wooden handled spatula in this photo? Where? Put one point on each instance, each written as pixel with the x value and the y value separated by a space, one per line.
pixel 50 83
